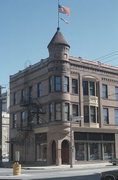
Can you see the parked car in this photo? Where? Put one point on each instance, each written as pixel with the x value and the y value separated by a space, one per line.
pixel 109 175
pixel 114 161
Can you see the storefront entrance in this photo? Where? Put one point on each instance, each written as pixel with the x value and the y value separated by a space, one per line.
pixel 65 152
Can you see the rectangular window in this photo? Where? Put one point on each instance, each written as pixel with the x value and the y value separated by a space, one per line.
pixel 50 112
pixel 23 119
pixel 92 88
pixel 22 94
pixel 39 89
pixel 116 116
pixel 75 110
pixel 92 114
pixel 105 115
pixel 57 83
pixel 67 111
pixel 85 88
pixel 14 98
pixel 14 125
pixel 30 93
pixel 74 86
pixel 104 91
pixel 66 84
pixel 50 84
pixel 116 92
pixel 86 114
pixel 58 111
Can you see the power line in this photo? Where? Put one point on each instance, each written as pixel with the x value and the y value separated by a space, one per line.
pixel 111 60
pixel 107 55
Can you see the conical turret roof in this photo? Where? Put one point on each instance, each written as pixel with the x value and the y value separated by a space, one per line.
pixel 58 39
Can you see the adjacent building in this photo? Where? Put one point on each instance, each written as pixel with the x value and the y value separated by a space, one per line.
pixel 4 128
pixel 64 109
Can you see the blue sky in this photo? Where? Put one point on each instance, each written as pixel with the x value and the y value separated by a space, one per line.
pixel 27 26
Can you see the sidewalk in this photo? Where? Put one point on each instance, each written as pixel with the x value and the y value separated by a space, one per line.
pixel 79 166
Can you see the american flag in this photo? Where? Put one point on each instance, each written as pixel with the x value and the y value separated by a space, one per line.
pixel 64 10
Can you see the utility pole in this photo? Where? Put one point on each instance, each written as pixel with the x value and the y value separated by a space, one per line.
pixel 72 147
pixel 0 125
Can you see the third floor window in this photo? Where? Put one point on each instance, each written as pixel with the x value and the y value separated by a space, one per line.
pixel 104 91
pixel 39 89
pixel 74 86
pixel 116 93
pixel 89 88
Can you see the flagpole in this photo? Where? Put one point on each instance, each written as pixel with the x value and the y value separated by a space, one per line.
pixel 58 14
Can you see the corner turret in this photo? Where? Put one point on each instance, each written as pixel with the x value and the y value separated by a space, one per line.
pixel 58 47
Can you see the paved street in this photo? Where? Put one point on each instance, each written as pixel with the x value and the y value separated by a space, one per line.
pixel 80 172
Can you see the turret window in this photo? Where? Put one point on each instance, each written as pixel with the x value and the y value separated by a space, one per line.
pixel 67 111
pixel 57 83
pixel 66 84
pixel 58 111
pixel 50 84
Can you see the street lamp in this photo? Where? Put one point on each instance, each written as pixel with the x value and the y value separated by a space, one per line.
pixel 73 119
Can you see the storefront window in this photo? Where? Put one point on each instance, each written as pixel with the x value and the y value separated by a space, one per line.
pixel 94 152
pixel 79 151
pixel 107 151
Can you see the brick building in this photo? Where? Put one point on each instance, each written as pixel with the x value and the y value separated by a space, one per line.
pixel 45 98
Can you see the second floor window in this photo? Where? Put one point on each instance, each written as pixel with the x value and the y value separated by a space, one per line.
pixel 93 114
pixel 14 124
pixel 116 116
pixel 74 86
pixel 116 93
pixel 39 89
pixel 50 112
pixel 75 110
pixel 67 111
pixel 66 84
pixel 85 88
pixel 86 114
pixel 58 111
pixel 105 116
pixel 23 119
pixel 57 83
pixel 104 91
pixel 14 98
